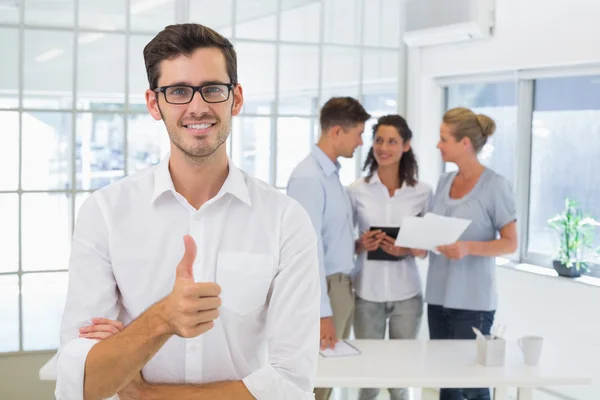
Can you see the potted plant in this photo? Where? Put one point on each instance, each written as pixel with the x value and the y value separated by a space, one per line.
pixel 576 234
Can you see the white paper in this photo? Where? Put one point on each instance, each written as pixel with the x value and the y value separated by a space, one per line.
pixel 430 231
pixel 342 349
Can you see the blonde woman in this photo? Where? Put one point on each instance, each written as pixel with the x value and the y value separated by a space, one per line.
pixel 461 282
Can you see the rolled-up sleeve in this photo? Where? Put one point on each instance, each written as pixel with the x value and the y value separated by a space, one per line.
pixel 92 293
pixel 293 317
pixel 310 194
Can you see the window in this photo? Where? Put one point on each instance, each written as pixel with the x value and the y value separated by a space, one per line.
pixel 499 102
pixel 75 119
pixel 565 156
pixel 560 148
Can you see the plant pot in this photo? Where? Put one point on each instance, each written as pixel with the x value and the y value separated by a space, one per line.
pixel 565 271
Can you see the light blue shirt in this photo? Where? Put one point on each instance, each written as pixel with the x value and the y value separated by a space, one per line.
pixel 470 283
pixel 315 184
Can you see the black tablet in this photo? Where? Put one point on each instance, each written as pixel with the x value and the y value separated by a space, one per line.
pixel 379 254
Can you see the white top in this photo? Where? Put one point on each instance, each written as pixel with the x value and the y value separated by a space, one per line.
pixel 448 364
pixel 377 280
pixel 256 243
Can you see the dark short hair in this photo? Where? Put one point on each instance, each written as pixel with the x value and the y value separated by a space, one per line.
pixel 343 111
pixel 179 39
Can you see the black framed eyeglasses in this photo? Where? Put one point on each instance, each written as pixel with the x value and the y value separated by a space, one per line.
pixel 183 94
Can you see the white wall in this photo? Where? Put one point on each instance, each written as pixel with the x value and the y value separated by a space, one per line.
pixel 529 34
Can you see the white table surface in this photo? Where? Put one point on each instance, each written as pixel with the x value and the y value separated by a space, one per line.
pixel 443 363
pixel 435 364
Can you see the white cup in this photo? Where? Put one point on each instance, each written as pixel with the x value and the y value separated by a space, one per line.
pixel 531 347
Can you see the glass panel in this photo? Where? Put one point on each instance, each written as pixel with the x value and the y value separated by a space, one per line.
pixel 9 232
pixel 44 298
pixel 99 150
pixel 252 146
pixel 379 104
pixel 293 144
pixel 216 15
pixel 343 22
pixel 106 14
pixel 48 74
pixel 147 142
pixel 101 71
pixel 380 71
pixel 152 15
pixel 367 142
pixel 9 313
pixel 348 170
pixel 46 151
pixel 256 20
pixel 499 102
pixel 566 133
pixel 54 13
pixel 46 231
pixel 298 79
pixel 341 72
pixel 9 67
pixel 138 79
pixel 9 150
pixel 9 13
pixel 382 23
pixel 256 65
pixel 300 22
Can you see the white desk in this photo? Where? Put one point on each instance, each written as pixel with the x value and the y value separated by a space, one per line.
pixel 435 364
pixel 446 364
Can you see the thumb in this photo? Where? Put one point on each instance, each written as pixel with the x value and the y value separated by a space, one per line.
pixel 185 269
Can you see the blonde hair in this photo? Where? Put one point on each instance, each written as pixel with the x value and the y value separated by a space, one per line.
pixel 465 123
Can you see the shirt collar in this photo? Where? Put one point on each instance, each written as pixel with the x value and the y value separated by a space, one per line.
pixel 235 183
pixel 375 178
pixel 328 166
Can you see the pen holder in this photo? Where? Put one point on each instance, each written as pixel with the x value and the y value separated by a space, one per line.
pixel 491 352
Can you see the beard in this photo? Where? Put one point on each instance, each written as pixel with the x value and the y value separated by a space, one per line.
pixel 197 149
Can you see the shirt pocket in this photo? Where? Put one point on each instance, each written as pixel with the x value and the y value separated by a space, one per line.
pixel 245 279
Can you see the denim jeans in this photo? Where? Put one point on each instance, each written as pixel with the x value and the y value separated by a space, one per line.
pixel 370 320
pixel 450 323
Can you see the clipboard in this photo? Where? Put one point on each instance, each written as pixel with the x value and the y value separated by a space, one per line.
pixel 342 349
pixel 379 254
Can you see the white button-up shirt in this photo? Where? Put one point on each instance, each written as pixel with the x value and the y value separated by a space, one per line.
pixel 256 243
pixel 377 280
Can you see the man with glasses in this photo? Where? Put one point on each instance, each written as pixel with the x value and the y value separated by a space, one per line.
pixel 229 312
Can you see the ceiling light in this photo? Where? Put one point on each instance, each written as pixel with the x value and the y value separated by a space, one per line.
pixel 49 55
pixel 146 5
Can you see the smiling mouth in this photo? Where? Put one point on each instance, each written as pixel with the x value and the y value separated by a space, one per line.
pixel 199 129
pixel 204 125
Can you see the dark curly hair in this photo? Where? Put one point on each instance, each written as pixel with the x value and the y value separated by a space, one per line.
pixel 408 171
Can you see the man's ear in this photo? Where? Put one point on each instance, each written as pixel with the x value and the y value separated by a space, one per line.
pixel 152 104
pixel 337 130
pixel 238 99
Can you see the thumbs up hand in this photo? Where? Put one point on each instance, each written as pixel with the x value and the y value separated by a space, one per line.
pixel 191 308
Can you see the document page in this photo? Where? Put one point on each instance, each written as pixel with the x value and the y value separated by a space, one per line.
pixel 430 231
pixel 342 349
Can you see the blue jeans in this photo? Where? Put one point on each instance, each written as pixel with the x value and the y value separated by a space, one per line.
pixel 450 323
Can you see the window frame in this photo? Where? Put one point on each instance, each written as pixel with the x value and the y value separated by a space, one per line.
pixel 183 13
pixel 525 81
